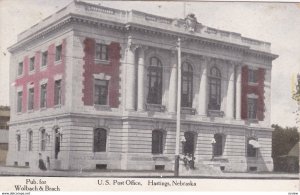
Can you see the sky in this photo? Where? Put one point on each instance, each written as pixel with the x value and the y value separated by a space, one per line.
pixel 278 23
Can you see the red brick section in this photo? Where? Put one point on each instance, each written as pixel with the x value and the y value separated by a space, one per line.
pixel 258 90
pixel 112 69
pixel 50 71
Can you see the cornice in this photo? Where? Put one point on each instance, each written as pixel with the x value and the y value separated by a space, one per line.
pixel 72 18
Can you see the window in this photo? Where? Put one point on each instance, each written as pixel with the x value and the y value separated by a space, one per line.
pixel 101 51
pixel 19 101
pixel 101 92
pixel 57 92
pixel 20 68
pixel 252 76
pixel 214 89
pixel 18 142
pixel 30 139
pixel 187 85
pixel 100 136
pixel 43 95
pixel 252 147
pixel 44 58
pixel 157 142
pixel 31 64
pixel 189 144
pixel 43 140
pixel 58 52
pixel 218 146
pixel 30 98
pixel 252 108
pixel 155 81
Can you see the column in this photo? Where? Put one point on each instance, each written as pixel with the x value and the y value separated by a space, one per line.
pixel 130 78
pixel 140 83
pixel 238 93
pixel 173 83
pixel 202 110
pixel 230 93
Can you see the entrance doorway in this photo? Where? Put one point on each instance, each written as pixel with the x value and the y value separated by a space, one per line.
pixel 56 142
pixel 189 145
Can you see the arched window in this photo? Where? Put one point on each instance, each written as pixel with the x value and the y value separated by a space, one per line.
pixel 252 146
pixel 187 85
pixel 154 81
pixel 100 137
pixel 218 146
pixel 43 139
pixel 157 142
pixel 30 140
pixel 214 89
pixel 18 137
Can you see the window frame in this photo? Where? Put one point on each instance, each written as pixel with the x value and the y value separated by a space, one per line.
pixel 31 64
pixel 58 53
pixel 101 52
pixel 43 98
pixel 252 76
pixel 44 59
pixel 20 71
pixel 218 147
pixel 30 103
pixel 187 77
pixel 215 89
pixel 253 111
pixel 57 92
pixel 19 101
pixel 155 73
pixel 18 138
pixel 159 143
pixel 43 137
pixel 98 86
pixel 98 146
pixel 30 140
pixel 251 152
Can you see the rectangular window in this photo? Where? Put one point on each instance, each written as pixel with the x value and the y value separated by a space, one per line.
pixel 58 52
pixel 18 142
pixel 43 140
pixel 57 92
pixel 30 98
pixel 31 64
pixel 101 92
pixel 100 137
pixel 30 138
pixel 43 95
pixel 157 142
pixel 44 58
pixel 252 76
pixel 251 148
pixel 252 108
pixel 20 68
pixel 19 101
pixel 101 51
pixel 218 145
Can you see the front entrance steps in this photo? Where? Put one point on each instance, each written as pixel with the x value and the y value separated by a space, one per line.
pixel 201 168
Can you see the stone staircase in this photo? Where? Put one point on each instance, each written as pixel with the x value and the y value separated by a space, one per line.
pixel 202 169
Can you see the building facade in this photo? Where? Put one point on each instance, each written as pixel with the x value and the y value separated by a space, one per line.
pixel 95 88
pixel 4 118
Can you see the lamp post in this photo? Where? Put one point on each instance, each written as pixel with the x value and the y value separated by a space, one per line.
pixel 176 172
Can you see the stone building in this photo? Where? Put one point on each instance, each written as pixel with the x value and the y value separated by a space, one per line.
pixel 4 118
pixel 95 88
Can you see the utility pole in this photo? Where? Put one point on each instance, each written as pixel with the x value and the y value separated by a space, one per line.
pixel 176 172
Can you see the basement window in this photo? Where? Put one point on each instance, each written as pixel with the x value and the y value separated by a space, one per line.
pixel 101 166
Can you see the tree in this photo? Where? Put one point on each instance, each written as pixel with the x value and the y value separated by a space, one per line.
pixel 283 140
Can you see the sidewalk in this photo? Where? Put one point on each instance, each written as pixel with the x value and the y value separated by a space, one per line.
pixel 17 171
